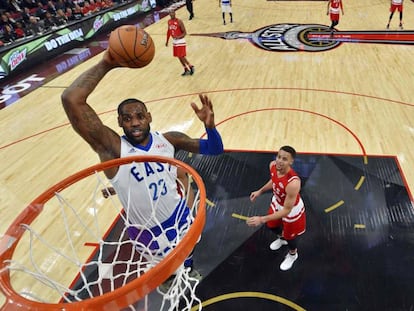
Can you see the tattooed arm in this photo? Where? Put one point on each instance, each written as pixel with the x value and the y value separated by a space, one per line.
pixel 83 118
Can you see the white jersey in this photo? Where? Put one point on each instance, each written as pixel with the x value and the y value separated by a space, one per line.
pixel 147 190
pixel 226 6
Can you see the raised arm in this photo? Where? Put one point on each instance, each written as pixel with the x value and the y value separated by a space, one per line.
pixel 213 145
pixel 83 118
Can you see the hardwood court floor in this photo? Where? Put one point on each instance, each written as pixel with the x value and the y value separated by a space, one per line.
pixel 354 100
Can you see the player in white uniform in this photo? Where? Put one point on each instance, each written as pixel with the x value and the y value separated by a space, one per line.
pixel 148 191
pixel 158 180
pixel 226 8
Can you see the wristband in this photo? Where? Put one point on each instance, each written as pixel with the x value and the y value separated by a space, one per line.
pixel 213 145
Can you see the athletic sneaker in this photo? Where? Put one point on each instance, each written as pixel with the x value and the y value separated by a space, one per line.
pixel 288 262
pixel 276 244
pixel 186 73
pixel 192 70
pixel 401 26
pixel 388 26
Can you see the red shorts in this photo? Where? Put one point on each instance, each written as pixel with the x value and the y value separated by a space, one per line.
pixel 334 16
pixel 398 7
pixel 290 229
pixel 179 50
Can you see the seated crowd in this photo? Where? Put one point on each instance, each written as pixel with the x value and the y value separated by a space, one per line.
pixel 22 18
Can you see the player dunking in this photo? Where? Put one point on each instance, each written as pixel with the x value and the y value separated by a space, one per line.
pixel 396 5
pixel 177 31
pixel 156 229
pixel 335 7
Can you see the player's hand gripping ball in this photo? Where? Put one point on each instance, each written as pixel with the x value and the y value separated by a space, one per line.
pixel 130 46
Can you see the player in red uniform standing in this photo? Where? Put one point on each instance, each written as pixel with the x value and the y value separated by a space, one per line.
pixel 396 5
pixel 334 8
pixel 286 211
pixel 177 31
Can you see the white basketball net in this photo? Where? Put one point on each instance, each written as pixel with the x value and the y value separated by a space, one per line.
pixel 79 248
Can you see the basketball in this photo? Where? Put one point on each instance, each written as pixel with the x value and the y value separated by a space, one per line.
pixel 131 46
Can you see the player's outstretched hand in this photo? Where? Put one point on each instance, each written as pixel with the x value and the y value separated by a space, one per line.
pixel 254 221
pixel 254 195
pixel 205 113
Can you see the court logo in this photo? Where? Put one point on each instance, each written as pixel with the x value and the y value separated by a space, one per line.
pixel 311 37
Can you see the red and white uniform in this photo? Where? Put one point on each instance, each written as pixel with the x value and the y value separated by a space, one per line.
pixel 396 5
pixel 175 31
pixel 335 8
pixel 294 223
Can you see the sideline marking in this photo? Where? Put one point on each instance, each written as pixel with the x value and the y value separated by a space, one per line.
pixel 239 216
pixel 360 182
pixel 359 226
pixel 331 208
pixel 281 300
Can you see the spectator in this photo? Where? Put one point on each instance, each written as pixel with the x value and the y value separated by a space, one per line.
pixel 40 11
pixel 25 16
pixel 51 8
pixel 77 11
pixel 79 2
pixel 108 3
pixel 69 3
pixel 50 22
pixel 36 27
pixel 4 20
pixel 70 16
pixel 8 34
pixel 11 19
pixel 21 31
pixel 60 4
pixel 30 4
pixel 93 7
pixel 86 9
pixel 15 6
pixel 6 29
pixel 7 6
pixel 101 5
pixel 61 18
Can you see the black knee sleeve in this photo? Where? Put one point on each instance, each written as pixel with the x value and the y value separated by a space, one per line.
pixel 292 244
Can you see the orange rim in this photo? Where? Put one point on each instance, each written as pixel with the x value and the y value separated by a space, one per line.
pixel 123 296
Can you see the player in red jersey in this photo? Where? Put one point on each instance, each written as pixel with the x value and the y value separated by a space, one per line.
pixel 177 31
pixel 286 210
pixel 334 8
pixel 396 5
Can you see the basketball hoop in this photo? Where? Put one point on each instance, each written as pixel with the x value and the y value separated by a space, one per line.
pixel 82 247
